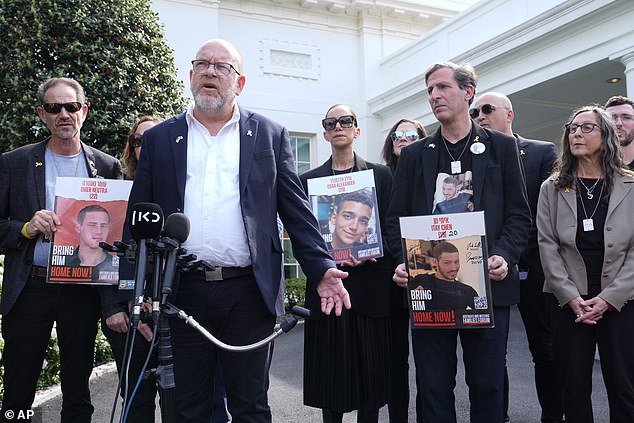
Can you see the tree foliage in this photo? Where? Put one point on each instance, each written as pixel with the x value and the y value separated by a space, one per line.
pixel 114 48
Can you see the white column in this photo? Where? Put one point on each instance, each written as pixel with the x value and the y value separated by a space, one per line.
pixel 628 61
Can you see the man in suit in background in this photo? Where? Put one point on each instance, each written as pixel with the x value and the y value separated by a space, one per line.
pixel 29 305
pixel 495 111
pixel 460 146
pixel 231 172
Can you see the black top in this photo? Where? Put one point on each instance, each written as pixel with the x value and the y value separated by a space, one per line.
pixel 446 295
pixel 369 284
pixel 590 242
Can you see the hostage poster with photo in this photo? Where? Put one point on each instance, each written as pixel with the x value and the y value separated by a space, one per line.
pixel 346 208
pixel 91 210
pixel 446 260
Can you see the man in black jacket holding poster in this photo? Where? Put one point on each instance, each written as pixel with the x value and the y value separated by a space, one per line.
pixel 458 147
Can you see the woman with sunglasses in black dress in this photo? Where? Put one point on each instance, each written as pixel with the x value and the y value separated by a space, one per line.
pixel 347 358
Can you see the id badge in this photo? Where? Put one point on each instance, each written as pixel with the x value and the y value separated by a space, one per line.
pixel 456 167
pixel 588 225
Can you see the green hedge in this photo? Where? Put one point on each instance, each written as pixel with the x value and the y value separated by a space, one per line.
pixel 295 293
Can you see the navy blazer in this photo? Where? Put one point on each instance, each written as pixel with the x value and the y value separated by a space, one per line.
pixel 368 285
pixel 498 189
pixel 538 159
pixel 22 193
pixel 268 185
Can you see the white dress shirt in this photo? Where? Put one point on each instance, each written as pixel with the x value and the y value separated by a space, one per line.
pixel 212 194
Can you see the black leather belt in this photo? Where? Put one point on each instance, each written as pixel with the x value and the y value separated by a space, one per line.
pixel 38 272
pixel 218 274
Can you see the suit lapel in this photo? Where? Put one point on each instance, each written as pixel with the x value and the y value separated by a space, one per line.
pixel 178 144
pixel 479 164
pixel 90 161
pixel 38 165
pixel 430 169
pixel 570 198
pixel 248 135
pixel 619 192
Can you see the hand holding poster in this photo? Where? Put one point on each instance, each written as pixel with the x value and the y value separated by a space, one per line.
pixel 91 211
pixel 446 260
pixel 346 209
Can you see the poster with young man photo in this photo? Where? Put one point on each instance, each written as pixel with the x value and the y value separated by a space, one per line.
pixel 91 211
pixel 346 209
pixel 448 280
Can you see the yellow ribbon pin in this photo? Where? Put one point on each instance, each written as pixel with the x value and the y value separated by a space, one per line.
pixel 38 164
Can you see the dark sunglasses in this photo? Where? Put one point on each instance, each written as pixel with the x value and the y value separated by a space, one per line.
pixel 72 107
pixel 135 140
pixel 410 136
pixel 487 109
pixel 346 121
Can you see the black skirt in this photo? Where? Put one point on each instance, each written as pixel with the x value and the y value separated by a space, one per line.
pixel 347 362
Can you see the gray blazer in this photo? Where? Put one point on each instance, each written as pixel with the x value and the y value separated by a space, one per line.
pixel 22 193
pixel 563 265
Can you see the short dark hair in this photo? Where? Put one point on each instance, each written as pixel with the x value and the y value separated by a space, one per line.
pixel 363 196
pixel 443 247
pixel 451 180
pixel 463 74
pixel 618 100
pixel 51 82
pixel 90 209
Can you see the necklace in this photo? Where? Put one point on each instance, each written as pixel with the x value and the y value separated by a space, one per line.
pixel 347 170
pixel 588 222
pixel 456 165
pixel 341 172
pixel 589 190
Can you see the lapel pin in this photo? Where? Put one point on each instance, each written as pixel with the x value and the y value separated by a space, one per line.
pixel 432 145
pixel 94 172
pixel 567 190
pixel 38 164
pixel 522 152
pixel 178 139
pixel 249 133
pixel 477 147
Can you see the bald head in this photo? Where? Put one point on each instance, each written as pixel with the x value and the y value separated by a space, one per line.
pixel 500 116
pixel 220 45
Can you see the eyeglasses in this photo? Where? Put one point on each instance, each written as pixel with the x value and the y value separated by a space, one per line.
pixel 135 140
pixel 201 66
pixel 410 136
pixel 624 118
pixel 487 109
pixel 346 121
pixel 586 128
pixel 54 108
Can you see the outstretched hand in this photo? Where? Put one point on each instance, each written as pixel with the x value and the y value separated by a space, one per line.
pixel 332 292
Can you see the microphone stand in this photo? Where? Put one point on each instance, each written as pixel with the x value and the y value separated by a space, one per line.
pixel 163 310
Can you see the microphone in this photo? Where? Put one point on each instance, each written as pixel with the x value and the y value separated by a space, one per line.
pixel 145 222
pixel 175 233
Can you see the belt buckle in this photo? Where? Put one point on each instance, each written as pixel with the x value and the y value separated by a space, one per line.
pixel 214 275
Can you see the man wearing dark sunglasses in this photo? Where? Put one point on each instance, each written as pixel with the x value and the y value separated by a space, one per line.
pixel 457 148
pixel 538 158
pixel 232 172
pixel 29 305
